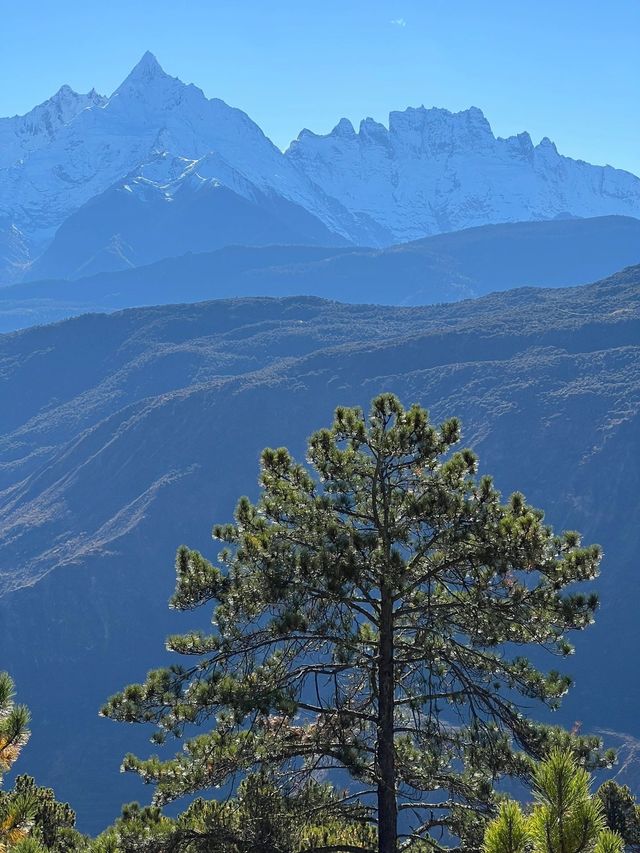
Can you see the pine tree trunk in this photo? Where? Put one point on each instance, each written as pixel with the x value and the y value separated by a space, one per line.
pixel 387 806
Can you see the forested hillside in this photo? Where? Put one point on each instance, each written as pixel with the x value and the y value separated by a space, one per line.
pixel 127 434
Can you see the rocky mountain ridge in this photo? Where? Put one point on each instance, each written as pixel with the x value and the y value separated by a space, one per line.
pixel 156 139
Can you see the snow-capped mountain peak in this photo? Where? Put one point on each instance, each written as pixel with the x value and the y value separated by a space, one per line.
pixel 432 170
pixel 19 135
pixel 153 115
pixel 60 108
pixel 344 128
pixel 146 69
pixel 149 76
pixel 426 171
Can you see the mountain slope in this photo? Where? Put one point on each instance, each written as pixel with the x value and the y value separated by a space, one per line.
pixel 124 435
pixel 140 221
pixel 21 135
pixel 442 268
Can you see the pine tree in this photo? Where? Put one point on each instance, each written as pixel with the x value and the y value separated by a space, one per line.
pixel 31 820
pixel 14 721
pixel 621 811
pixel 366 623
pixel 565 817
pixel 52 822
pixel 259 819
pixel 16 811
pixel 509 832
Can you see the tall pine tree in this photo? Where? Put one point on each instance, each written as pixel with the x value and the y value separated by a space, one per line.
pixel 367 623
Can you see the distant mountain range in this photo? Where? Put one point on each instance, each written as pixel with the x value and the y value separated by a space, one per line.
pixel 91 183
pixel 443 268
pixel 124 435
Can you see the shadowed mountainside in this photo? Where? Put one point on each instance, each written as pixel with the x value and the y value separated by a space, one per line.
pixel 443 268
pixel 119 229
pixel 124 435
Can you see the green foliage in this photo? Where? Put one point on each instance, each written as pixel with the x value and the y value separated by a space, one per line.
pixel 609 842
pixel 621 812
pixel 52 823
pixel 17 809
pixel 372 615
pixel 27 844
pixel 16 820
pixel 565 817
pixel 14 720
pixel 138 828
pixel 31 820
pixel 509 832
pixel 259 819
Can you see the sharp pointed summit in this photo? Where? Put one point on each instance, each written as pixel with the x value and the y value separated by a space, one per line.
pixel 148 66
pixel 426 172
pixel 147 70
pixel 65 91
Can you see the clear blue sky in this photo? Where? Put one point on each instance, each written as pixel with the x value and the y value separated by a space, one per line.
pixel 567 69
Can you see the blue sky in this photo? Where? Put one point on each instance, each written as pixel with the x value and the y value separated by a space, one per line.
pixel 568 69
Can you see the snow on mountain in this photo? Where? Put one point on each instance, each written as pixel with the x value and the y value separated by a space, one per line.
pixel 20 135
pixel 149 114
pixel 156 137
pixel 433 171
pixel 171 206
pixel 14 252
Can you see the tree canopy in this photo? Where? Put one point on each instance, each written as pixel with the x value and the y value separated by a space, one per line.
pixel 372 615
